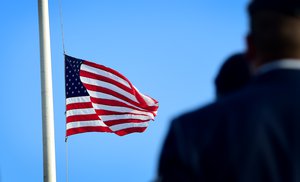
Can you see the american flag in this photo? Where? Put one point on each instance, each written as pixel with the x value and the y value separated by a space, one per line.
pixel 100 99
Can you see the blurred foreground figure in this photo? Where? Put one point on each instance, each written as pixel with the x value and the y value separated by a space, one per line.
pixel 254 134
pixel 234 74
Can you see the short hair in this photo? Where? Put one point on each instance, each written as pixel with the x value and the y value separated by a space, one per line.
pixel 234 74
pixel 275 30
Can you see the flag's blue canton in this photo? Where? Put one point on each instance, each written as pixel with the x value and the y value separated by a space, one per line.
pixel 74 87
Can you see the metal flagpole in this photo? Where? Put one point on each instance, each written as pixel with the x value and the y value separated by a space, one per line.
pixel 47 97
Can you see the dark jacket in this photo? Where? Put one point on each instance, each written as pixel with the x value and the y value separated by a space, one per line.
pixel 250 136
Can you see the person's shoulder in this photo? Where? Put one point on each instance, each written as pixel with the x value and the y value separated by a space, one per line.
pixel 218 109
pixel 197 112
pixel 200 117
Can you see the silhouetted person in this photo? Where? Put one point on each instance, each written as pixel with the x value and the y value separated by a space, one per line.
pixel 234 74
pixel 254 134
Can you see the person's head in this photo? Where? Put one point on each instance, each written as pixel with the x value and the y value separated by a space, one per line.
pixel 274 30
pixel 234 74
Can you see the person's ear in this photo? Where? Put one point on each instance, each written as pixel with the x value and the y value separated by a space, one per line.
pixel 250 49
pixel 251 53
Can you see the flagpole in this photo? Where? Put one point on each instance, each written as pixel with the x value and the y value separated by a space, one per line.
pixel 46 91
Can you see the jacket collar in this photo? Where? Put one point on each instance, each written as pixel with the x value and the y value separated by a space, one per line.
pixel 293 64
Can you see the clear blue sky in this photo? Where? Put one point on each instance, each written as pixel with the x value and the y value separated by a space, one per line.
pixel 169 49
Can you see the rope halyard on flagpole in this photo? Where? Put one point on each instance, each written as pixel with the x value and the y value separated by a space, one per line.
pixel 64 53
pixel 62 26
pixel 67 163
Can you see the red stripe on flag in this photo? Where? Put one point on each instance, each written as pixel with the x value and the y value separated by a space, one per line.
pixel 110 92
pixel 106 69
pixel 81 105
pixel 114 103
pixel 82 118
pixel 87 129
pixel 130 130
pixel 121 104
pixel 135 92
pixel 122 121
pixel 105 79
pixel 102 112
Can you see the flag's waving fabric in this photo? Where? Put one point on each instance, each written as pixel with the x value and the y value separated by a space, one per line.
pixel 100 99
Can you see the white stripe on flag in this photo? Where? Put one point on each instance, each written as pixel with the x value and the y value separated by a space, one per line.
pixel 105 74
pixel 81 99
pixel 124 116
pixel 109 86
pixel 128 125
pixel 148 100
pixel 110 97
pixel 79 124
pixel 121 110
pixel 74 112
